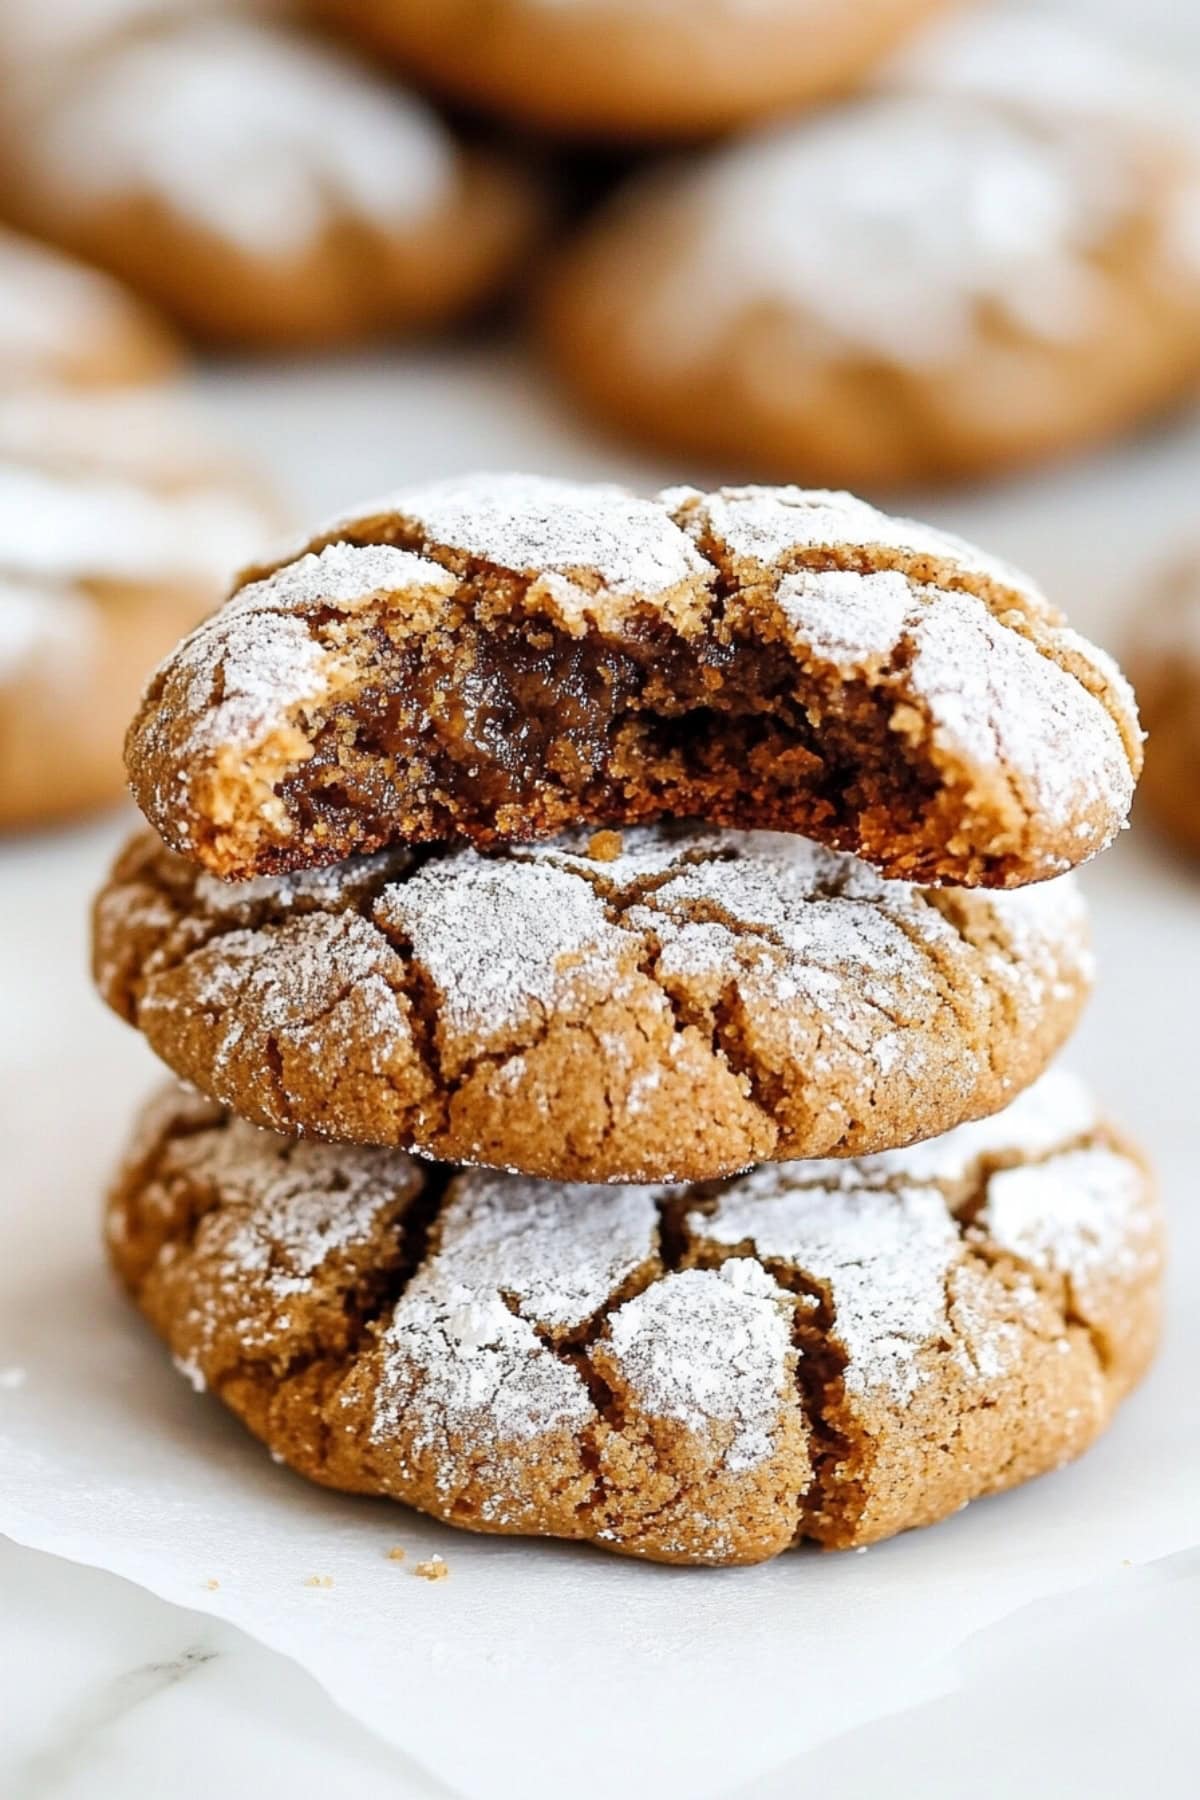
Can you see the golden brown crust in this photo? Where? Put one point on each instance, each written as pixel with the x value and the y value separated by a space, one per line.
pixel 634 68
pixel 327 208
pixel 498 658
pixel 699 1003
pixel 788 309
pixel 697 1376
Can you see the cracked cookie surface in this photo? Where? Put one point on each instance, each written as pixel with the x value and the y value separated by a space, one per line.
pixel 119 519
pixel 634 69
pixel 667 1005
pixel 498 658
pixel 817 1351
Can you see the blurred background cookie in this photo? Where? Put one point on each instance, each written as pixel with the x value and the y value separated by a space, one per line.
pixel 119 523
pixel 63 322
pixel 1165 654
pixel 992 257
pixel 259 185
pixel 640 69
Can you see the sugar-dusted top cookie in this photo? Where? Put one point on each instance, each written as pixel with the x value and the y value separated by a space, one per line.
pixel 992 257
pixel 259 184
pixel 1164 650
pixel 665 1005
pixel 810 1352
pixel 119 521
pixel 499 657
pixel 634 68
pixel 63 322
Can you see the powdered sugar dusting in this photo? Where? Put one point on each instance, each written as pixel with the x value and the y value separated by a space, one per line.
pixel 560 1250
pixel 502 941
pixel 996 701
pixel 535 525
pixel 886 228
pixel 52 311
pixel 342 575
pixel 711 1349
pixel 1082 1214
pixel 882 1256
pixel 267 140
pixel 514 1258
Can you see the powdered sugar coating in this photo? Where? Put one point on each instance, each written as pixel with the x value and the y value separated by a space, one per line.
pixel 502 943
pixel 539 1009
pixel 513 1354
pixel 120 487
pixel 711 1350
pixel 1027 738
pixel 886 228
pixel 54 312
pixel 267 139
pixel 539 526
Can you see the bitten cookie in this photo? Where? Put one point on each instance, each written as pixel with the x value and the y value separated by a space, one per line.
pixel 263 188
pixel 1165 650
pixel 63 322
pixel 502 657
pixel 119 523
pixel 995 260
pixel 634 68
pixel 814 1352
pixel 671 1006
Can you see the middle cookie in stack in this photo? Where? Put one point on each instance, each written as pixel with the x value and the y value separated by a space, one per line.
pixel 428 883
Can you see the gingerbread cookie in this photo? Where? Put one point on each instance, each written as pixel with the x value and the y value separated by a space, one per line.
pixel 671 1005
pixel 63 322
pixel 260 186
pixel 118 524
pixel 634 68
pixel 813 1352
pixel 501 657
pixel 1165 652
pixel 994 260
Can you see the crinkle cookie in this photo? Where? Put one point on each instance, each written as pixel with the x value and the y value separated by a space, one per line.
pixel 634 68
pixel 671 1006
pixel 1165 651
pixel 994 260
pixel 63 322
pixel 262 187
pixel 119 523
pixel 826 1352
pixel 501 657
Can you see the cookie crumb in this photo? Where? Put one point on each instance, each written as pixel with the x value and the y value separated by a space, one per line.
pixel 319 1581
pixel 436 1569
pixel 397 1553
pixel 212 1584
pixel 605 846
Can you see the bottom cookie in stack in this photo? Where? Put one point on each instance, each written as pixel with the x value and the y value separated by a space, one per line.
pixel 825 1351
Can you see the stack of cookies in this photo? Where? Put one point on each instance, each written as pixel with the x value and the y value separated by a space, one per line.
pixel 615 949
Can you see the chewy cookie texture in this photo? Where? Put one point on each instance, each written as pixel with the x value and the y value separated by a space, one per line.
pixel 666 1005
pixel 813 1352
pixel 501 658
